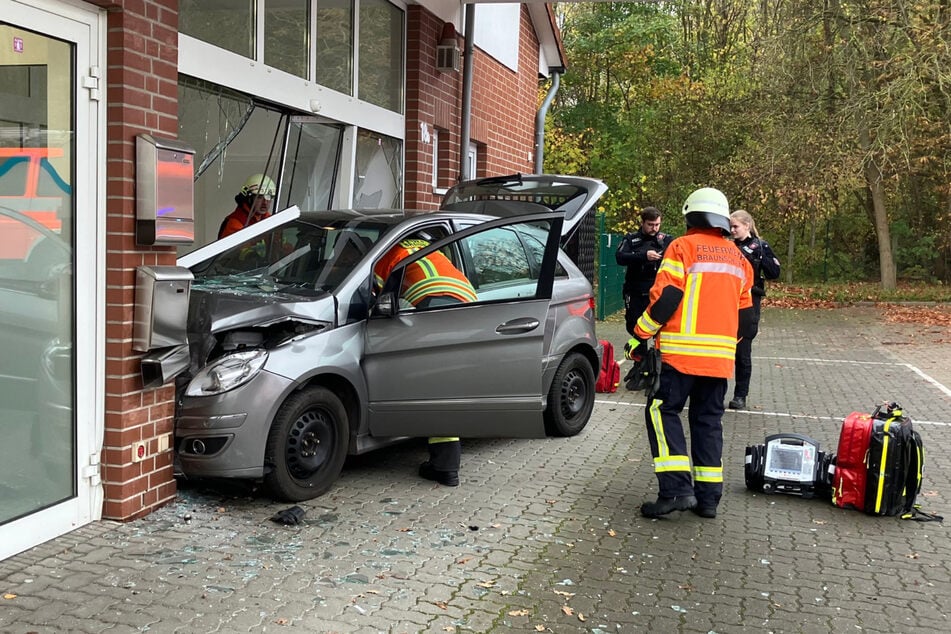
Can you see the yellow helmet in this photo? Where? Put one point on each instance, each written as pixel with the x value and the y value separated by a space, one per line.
pixel 258 185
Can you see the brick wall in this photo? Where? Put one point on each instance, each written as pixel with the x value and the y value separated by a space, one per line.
pixel 504 104
pixel 141 97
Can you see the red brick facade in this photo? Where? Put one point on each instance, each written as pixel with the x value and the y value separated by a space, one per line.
pixel 503 110
pixel 141 94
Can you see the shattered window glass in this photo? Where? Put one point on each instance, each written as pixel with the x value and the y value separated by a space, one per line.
pixel 379 172
pixel 234 138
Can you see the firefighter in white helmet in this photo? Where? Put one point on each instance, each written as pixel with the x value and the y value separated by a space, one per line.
pixel 254 205
pixel 699 303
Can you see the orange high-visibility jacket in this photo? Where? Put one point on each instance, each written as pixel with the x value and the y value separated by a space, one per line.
pixel 712 280
pixel 432 275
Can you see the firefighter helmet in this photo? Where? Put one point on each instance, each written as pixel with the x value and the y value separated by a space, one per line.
pixel 258 185
pixel 708 207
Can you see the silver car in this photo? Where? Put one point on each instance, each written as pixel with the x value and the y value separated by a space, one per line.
pixel 299 356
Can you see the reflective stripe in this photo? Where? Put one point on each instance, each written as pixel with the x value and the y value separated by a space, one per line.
pixel 439 286
pixel 708 474
pixel 671 463
pixel 691 304
pixel 716 267
pixel 880 489
pixel 647 324
pixel 438 439
pixel 658 425
pixel 672 268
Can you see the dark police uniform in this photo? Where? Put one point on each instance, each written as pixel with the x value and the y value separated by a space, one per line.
pixel 765 267
pixel 632 253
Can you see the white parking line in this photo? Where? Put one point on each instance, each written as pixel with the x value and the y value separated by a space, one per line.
pixel 928 379
pixel 936 423
pixel 941 387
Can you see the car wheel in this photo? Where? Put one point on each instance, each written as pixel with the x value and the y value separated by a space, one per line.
pixel 307 445
pixel 571 397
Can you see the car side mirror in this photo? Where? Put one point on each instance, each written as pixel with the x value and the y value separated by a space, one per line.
pixel 385 305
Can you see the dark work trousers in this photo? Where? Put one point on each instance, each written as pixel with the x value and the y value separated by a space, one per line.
pixel 744 355
pixel 445 453
pixel 634 307
pixel 675 474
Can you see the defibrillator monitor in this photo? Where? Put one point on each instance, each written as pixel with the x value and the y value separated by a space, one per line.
pixel 791 458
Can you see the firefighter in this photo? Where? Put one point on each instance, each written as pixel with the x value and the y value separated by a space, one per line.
pixel 253 200
pixel 698 304
pixel 765 267
pixel 641 252
pixel 430 281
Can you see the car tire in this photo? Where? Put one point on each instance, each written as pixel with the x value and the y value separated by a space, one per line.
pixel 307 445
pixel 571 397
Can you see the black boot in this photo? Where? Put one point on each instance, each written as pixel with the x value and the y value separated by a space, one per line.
pixel 738 402
pixel 663 505
pixel 443 463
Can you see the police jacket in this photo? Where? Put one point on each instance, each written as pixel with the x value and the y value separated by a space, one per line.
pixel 702 288
pixel 433 275
pixel 764 262
pixel 632 253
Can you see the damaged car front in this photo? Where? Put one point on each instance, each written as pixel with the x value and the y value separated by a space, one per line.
pixel 266 315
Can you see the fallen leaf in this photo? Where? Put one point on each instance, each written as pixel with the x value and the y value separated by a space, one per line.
pixel 912 555
pixel 496 525
pixel 9 595
pixel 221 509
pixel 686 586
pixel 563 593
pixel 441 604
pixel 611 532
pixel 464 560
pixel 819 522
pixel 404 530
pixel 581 616
pixel 449 628
pixel 282 621
pixel 519 613
pixel 551 501
pixel 539 628
pixel 486 584
pixel 567 610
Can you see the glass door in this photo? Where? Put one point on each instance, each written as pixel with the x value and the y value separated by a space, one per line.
pixel 46 187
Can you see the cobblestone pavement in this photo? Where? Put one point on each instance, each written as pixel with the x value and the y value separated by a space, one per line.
pixel 545 535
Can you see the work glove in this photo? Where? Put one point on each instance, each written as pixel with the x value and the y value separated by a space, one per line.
pixel 635 348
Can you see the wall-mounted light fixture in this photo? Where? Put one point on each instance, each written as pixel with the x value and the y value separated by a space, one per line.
pixel 448 55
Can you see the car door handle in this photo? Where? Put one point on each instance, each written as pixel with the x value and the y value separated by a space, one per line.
pixel 522 324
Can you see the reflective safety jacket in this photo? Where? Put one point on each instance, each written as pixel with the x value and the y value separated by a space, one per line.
pixel 702 285
pixel 433 275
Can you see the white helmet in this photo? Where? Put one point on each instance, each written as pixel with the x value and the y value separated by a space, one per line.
pixel 708 207
pixel 258 185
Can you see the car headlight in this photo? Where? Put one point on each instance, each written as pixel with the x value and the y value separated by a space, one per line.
pixel 227 373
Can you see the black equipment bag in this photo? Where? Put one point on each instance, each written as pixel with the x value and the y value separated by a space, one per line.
pixel 895 460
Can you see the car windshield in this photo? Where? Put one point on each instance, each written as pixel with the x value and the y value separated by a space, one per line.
pixel 299 257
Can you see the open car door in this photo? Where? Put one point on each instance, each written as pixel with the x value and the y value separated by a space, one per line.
pixel 470 369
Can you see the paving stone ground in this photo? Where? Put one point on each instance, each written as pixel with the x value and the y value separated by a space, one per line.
pixel 545 535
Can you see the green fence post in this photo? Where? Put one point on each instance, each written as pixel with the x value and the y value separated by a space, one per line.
pixel 609 298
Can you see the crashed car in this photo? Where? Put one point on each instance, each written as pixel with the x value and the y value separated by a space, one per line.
pixel 299 358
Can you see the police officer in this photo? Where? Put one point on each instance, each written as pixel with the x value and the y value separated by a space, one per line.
pixel 699 302
pixel 641 252
pixel 765 267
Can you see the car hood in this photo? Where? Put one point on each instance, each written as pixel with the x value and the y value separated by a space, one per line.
pixel 212 310
pixel 518 194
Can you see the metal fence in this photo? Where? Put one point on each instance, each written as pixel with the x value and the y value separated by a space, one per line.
pixel 609 298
